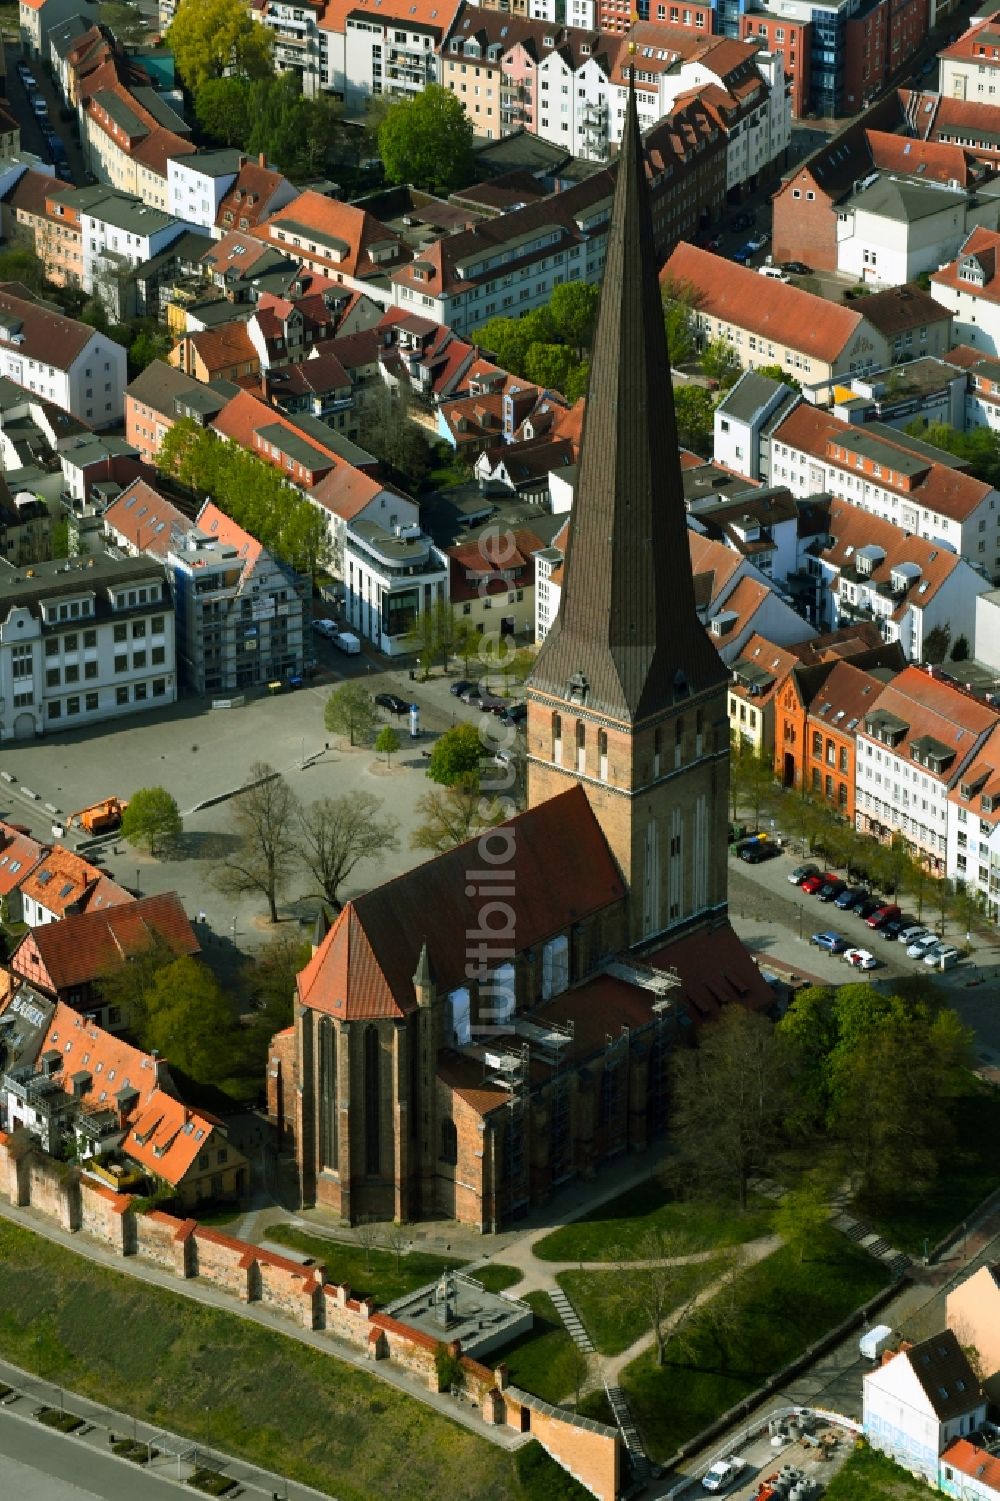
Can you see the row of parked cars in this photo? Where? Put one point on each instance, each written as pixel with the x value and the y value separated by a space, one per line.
pixel 40 110
pixel 879 915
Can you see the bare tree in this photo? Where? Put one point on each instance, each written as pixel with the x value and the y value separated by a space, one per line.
pixel 661 1287
pixel 366 1233
pixel 450 815
pixel 264 818
pixel 728 1096
pixel 336 833
pixel 396 1238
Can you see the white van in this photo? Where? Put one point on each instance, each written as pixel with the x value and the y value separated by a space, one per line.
pixel 345 642
pixel 773 273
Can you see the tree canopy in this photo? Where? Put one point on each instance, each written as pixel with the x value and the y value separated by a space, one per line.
pixel 548 345
pixel 695 411
pixel 271 116
pixel 189 1020
pixel 152 819
pixel 211 38
pixel 338 833
pixel 427 141
pixel 263 817
pixel 250 491
pixel 456 755
pixel 980 446
pixel 349 711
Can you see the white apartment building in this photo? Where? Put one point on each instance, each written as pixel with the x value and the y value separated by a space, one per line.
pixel 83 641
pixel 298 40
pixel 67 362
pixel 974 826
pixel 892 476
pixel 391 578
pixel 913 746
pixel 892 229
pixel 197 184
pixel 970 66
pixel 119 232
pixel 969 287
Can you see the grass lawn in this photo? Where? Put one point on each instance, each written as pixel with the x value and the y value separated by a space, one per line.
pixel 614 1325
pixel 623 1221
pixel 538 1363
pixel 496 1276
pixel 349 1263
pixel 968 1174
pixel 780 1306
pixel 868 1476
pixel 268 1399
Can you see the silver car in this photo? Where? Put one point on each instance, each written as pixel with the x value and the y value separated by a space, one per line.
pixel 910 935
pixel 942 956
pixel 918 948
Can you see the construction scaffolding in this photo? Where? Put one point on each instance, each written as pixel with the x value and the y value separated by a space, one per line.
pixel 511 1069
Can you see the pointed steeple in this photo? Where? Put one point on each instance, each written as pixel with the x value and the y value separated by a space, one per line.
pixel 627 641
pixel 423 979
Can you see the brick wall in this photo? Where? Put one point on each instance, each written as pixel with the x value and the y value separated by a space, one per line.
pixel 223 1261
pixel 107 1216
pixel 590 1455
pixel 804 228
pixel 282 1078
pixel 166 1241
pixel 290 1288
pixel 53 1189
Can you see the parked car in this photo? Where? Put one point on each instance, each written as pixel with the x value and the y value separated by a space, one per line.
pixel 802 873
pixel 834 943
pixel 326 628
pixel 471 694
pixel 40 108
pixel 723 1472
pixel 27 78
pixel 861 958
pixel 831 889
pixel 743 254
pixel 796 268
pixel 461 686
pixel 920 946
pixel 392 702
pixel 892 929
pixel 912 933
pixel 868 906
pixel 757 850
pixel 852 897
pixel 346 641
pixel 758 240
pixel 943 956
pixel 514 714
pixel 882 915
pixel 812 884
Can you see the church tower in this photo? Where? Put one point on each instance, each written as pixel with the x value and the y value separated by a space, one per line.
pixel 628 695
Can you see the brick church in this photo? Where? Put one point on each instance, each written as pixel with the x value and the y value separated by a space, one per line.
pixel 485 1027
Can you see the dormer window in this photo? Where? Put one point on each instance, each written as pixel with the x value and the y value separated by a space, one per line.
pixel 578 689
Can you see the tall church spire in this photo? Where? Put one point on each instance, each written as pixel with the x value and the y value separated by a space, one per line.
pixel 627 641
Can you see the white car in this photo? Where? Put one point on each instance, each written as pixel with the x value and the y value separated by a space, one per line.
pixel 861 959
pixel 918 948
pixel 324 628
pixel 911 934
pixel 942 956
pixel 723 1473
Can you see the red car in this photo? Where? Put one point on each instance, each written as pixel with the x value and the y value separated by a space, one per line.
pixel 812 884
pixel 882 915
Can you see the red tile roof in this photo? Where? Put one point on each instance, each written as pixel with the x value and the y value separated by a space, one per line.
pixel 929 706
pixel 364 967
pixel 86 946
pixel 48 337
pixel 979 44
pixel 112 1064
pixel 19 854
pixel 979 1464
pixel 225 346
pixel 846 694
pixel 438 14
pixel 317 220
pixel 935 161
pixel 851 529
pixel 714 969
pixel 223 528
pixel 784 314
pixel 146 519
pixel 986 244
pixel 63 880
pixel 166 1137
pixel 249 197
pixel 944 490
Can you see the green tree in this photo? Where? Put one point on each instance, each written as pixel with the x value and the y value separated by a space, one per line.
pixel 936 644
pixel 387 742
pixel 336 833
pixel 751 777
pixel 695 412
pixel 388 430
pixel 349 711
pixel 729 1097
pixel 452 815
pixel 960 652
pixel 23 265
pixel 775 372
pixel 980 447
pixel 721 363
pixel 268 981
pixel 427 141
pixel 507 340
pixel 189 1020
pixel 679 302
pixel 264 818
pixel 224 108
pixel 59 539
pixel 147 346
pixel 456 755
pixel 802 1217
pixel 128 983
pixel 152 819
pixel 573 306
pixel 807 1035
pixel 211 38
pixel 554 366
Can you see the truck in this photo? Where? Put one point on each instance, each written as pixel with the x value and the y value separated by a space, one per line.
pixel 346 642
pixel 723 1472
pixel 99 818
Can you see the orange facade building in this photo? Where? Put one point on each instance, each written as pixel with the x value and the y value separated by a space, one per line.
pixel 817 711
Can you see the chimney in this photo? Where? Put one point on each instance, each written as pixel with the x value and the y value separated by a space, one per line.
pixel 262 159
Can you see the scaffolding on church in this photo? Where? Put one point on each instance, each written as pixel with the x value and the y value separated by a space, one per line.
pixel 661 983
pixel 511 1069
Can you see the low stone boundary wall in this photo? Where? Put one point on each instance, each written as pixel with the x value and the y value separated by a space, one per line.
pixel 300 1292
